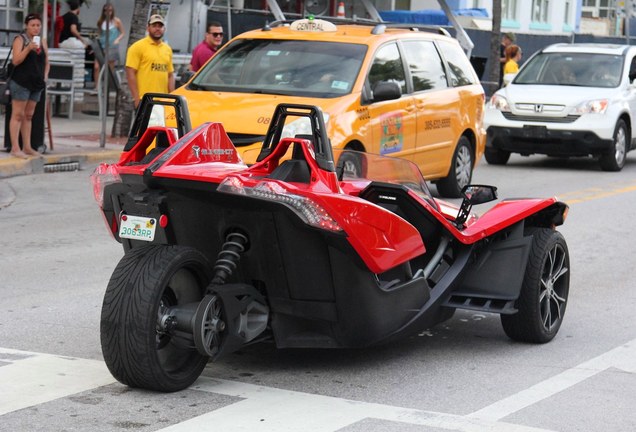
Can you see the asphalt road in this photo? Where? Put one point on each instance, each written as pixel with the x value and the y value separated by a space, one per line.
pixel 463 375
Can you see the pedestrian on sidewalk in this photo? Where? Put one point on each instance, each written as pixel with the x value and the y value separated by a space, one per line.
pixel 506 40
pixel 30 71
pixel 513 56
pixel 72 26
pixel 108 21
pixel 149 67
pixel 208 47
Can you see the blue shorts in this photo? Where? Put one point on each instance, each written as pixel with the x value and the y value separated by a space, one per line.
pixel 20 93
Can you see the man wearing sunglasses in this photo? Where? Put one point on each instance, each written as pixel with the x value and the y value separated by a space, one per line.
pixel 208 47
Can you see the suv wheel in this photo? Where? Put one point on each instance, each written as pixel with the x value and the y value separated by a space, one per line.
pixel 615 159
pixel 495 156
pixel 460 173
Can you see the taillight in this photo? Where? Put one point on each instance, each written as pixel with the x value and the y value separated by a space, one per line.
pixel 103 175
pixel 307 209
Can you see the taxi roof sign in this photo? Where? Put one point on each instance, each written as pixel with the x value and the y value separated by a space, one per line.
pixel 313 25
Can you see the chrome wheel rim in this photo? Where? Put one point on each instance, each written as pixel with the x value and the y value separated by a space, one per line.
pixel 554 286
pixel 620 145
pixel 463 166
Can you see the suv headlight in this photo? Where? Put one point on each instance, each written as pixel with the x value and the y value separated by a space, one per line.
pixel 500 103
pixel 301 126
pixel 598 106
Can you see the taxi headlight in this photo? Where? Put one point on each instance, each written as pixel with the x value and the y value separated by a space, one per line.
pixel 500 103
pixel 598 106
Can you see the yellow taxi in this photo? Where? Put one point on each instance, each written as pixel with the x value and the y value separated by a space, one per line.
pixel 382 89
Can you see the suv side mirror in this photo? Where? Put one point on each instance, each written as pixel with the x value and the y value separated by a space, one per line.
pixel 386 90
pixel 507 79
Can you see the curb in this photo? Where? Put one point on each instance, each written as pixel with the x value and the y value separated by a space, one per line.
pixel 11 167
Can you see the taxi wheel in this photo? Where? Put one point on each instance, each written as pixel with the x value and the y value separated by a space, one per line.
pixel 461 171
pixel 615 160
pixel 147 281
pixel 353 165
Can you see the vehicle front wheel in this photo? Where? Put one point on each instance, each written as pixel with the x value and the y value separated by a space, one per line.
pixel 544 293
pixel 615 159
pixel 495 156
pixel 352 164
pixel 146 282
pixel 461 171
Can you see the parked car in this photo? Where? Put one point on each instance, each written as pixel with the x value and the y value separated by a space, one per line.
pixel 567 100
pixel 391 91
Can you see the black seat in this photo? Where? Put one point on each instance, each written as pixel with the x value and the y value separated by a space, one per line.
pixel 295 169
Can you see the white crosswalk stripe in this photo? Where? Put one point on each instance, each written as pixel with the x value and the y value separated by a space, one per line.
pixel 28 379
pixel 267 409
pixel 33 378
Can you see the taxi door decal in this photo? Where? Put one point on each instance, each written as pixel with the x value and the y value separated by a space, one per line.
pixel 392 139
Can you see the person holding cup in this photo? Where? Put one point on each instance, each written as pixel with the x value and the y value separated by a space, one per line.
pixel 28 80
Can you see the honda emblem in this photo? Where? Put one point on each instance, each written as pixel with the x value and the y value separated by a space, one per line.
pixel 538 108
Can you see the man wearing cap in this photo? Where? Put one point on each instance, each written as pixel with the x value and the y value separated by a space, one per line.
pixel 507 40
pixel 149 67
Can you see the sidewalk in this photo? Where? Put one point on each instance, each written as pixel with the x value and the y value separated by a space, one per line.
pixel 76 143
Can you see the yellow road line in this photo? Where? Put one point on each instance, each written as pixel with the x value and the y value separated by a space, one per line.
pixel 594 193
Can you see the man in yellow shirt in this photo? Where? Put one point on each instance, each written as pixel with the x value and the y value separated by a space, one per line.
pixel 149 67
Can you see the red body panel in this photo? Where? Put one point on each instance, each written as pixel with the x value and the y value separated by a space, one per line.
pixel 382 239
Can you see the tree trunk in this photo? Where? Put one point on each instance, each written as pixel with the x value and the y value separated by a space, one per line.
pixel 495 44
pixel 124 107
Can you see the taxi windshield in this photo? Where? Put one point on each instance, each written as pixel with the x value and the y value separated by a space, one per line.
pixel 285 67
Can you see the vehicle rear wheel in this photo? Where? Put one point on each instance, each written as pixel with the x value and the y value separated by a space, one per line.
pixel 615 160
pixel 147 281
pixel 495 156
pixel 460 173
pixel 544 293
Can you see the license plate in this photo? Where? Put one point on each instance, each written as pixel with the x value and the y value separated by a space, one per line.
pixel 534 131
pixel 137 228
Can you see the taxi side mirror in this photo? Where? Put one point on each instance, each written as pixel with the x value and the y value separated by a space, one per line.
pixel 386 90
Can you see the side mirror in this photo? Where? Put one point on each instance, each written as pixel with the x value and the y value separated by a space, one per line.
pixel 507 79
pixel 386 90
pixel 479 194
pixel 473 194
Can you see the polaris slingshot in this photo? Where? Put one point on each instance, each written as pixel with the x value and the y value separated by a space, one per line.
pixel 294 250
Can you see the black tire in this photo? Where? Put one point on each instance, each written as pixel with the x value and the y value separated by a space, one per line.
pixel 544 293
pixel 615 160
pixel 146 279
pixel 495 156
pixel 353 165
pixel 461 171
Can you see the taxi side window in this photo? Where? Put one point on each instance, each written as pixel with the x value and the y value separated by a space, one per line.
pixel 387 66
pixel 425 65
pixel 461 71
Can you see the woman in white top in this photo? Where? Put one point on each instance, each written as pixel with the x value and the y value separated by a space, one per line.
pixel 109 23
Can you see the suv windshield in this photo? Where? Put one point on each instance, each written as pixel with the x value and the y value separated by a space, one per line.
pixel 288 67
pixel 572 69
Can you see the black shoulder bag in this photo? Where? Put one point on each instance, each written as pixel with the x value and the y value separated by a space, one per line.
pixel 6 72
